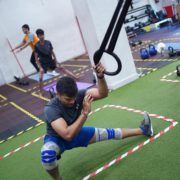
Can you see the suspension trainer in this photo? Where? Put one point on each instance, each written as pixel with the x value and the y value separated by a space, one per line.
pixel 112 34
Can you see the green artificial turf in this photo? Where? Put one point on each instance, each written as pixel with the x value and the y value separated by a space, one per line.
pixel 173 77
pixel 157 160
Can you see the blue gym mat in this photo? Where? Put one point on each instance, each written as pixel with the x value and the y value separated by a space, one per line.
pixel 45 77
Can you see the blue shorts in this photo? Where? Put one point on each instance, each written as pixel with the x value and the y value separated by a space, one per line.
pixel 80 140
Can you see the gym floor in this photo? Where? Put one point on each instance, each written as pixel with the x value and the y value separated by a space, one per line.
pixel 22 123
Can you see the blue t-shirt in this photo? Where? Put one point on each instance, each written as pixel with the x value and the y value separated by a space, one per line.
pixel 55 110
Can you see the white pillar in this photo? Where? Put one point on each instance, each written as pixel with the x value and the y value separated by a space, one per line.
pixel 94 17
pixel 2 81
pixel 156 6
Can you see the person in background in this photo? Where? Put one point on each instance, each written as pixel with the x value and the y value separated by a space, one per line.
pixel 46 59
pixel 29 40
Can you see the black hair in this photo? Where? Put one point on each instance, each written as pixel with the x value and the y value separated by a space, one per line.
pixel 39 32
pixel 26 26
pixel 67 86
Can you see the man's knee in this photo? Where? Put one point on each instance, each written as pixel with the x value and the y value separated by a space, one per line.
pixel 107 134
pixel 49 155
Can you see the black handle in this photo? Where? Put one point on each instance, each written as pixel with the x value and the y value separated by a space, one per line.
pixel 171 49
pixel 178 67
pixel 97 54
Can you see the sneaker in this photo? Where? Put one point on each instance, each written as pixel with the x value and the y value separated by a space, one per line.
pixel 55 73
pixel 146 125
pixel 49 73
pixel 52 73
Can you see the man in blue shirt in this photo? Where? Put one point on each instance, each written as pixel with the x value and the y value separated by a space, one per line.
pixel 65 116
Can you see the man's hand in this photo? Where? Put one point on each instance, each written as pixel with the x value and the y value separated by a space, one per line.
pixel 12 50
pixel 99 69
pixel 101 91
pixel 19 50
pixel 15 50
pixel 87 104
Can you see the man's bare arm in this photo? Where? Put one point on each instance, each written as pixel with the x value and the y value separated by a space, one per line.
pixel 102 90
pixel 19 46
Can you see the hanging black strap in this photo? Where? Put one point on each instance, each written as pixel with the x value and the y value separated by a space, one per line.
pixel 116 25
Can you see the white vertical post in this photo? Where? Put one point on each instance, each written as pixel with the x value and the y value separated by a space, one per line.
pixel 94 17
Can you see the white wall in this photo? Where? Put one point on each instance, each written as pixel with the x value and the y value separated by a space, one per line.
pixel 94 20
pixel 55 17
pixel 168 2
pixel 161 4
pixel 156 6
pixel 2 81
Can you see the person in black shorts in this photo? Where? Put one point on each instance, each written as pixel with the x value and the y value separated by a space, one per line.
pixel 46 58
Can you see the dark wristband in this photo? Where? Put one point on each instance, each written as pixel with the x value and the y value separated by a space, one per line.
pixel 100 77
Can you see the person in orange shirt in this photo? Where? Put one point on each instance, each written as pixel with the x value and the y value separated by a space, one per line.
pixel 29 40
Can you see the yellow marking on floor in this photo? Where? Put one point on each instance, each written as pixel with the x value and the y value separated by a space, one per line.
pixel 57 77
pixel 48 81
pixel 83 60
pixel 74 65
pixel 139 46
pixel 40 97
pixel 5 104
pixel 4 98
pixel 38 124
pixel 26 112
pixel 29 128
pixel 17 88
pixel 10 137
pixel 80 69
pixel 152 69
pixel 155 60
pixel 136 49
pixel 20 133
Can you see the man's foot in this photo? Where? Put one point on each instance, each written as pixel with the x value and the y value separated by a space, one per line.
pixel 146 125
pixel 55 73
